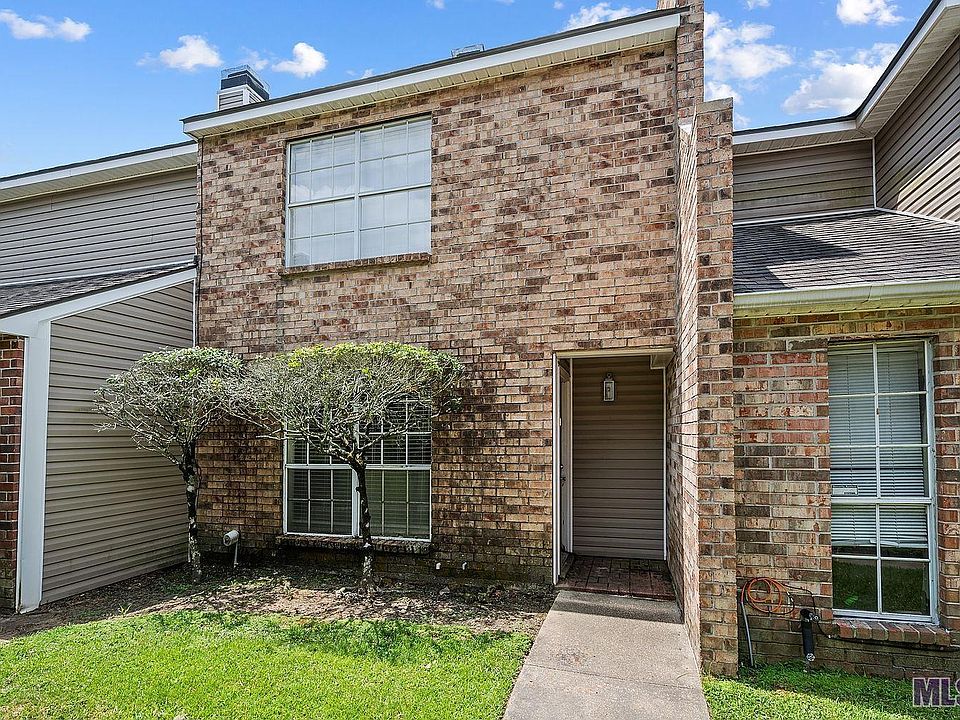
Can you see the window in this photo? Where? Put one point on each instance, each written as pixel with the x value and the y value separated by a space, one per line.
pixel 321 495
pixel 359 194
pixel 881 469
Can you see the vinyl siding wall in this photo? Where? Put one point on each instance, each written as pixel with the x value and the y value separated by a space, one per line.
pixel 811 180
pixel 112 511
pixel 141 222
pixel 918 151
pixel 618 460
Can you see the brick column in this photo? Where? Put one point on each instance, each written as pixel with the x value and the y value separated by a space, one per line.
pixel 701 495
pixel 11 400
pixel 717 527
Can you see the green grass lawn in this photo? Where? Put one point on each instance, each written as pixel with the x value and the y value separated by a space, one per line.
pixel 786 692
pixel 192 665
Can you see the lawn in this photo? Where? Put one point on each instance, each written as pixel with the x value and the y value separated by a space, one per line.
pixel 191 665
pixel 786 692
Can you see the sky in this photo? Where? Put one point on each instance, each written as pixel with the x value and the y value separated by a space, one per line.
pixel 82 80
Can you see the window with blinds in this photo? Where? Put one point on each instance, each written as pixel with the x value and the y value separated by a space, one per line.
pixel 880 469
pixel 321 497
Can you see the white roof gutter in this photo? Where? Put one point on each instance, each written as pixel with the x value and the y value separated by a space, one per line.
pixel 566 47
pixel 820 128
pixel 874 296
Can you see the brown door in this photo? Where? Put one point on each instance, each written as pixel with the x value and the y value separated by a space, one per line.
pixel 618 459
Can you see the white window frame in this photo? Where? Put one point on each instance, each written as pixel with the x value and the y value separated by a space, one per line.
pixel 928 501
pixel 357 195
pixel 355 496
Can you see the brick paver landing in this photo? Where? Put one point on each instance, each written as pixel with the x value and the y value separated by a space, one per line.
pixel 618 576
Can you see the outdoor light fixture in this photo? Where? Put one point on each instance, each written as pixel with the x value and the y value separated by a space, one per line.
pixel 232 539
pixel 609 388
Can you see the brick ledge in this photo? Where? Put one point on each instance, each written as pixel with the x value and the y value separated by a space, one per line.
pixel 354 544
pixel 290 273
pixel 923 634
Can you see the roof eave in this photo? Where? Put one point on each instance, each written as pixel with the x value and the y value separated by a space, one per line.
pixel 644 30
pixel 845 298
pixel 95 172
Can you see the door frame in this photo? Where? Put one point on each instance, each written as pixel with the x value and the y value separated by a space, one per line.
pixel 659 359
pixel 565 421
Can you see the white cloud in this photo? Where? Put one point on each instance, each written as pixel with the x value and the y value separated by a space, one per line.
pixel 438 4
pixel 557 5
pixel 840 84
pixel 736 53
pixel 368 73
pixel 754 4
pixel 601 12
pixel 307 61
pixel 43 27
pixel 716 90
pixel 861 12
pixel 193 52
pixel 254 59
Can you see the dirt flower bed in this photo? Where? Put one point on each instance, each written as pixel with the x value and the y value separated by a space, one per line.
pixel 296 591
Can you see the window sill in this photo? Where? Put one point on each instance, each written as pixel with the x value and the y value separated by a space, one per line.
pixel 909 633
pixel 420 258
pixel 354 544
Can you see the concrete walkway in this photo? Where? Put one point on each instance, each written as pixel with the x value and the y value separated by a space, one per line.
pixel 608 657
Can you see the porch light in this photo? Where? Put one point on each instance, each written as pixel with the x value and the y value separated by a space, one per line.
pixel 609 388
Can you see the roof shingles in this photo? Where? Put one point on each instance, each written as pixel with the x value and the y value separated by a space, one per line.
pixel 16 298
pixel 873 246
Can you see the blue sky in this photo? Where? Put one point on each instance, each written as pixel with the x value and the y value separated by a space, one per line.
pixel 87 79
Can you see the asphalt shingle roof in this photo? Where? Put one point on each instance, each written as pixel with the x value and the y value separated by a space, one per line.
pixel 851 249
pixel 16 298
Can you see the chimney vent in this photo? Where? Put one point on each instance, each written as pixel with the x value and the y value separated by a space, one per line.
pixel 241 86
pixel 468 50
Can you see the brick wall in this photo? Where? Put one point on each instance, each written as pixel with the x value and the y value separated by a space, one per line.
pixel 553 229
pixel 11 399
pixel 783 481
pixel 683 518
pixel 700 415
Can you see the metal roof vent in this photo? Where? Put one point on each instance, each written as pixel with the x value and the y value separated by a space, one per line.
pixel 241 86
pixel 468 50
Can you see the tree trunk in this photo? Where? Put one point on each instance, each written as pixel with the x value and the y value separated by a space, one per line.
pixel 366 573
pixel 191 478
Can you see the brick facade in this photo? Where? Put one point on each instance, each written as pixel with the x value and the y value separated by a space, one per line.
pixel 553 206
pixel 11 401
pixel 783 482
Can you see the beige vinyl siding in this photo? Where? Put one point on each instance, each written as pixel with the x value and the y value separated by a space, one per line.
pixel 135 223
pixel 112 511
pixel 618 460
pixel 918 150
pixel 809 180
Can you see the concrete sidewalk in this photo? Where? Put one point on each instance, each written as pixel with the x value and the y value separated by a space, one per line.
pixel 611 658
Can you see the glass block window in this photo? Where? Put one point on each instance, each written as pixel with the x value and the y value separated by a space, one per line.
pixel 359 194
pixel 881 458
pixel 321 495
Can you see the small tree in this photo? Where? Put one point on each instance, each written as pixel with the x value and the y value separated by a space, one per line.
pixel 167 400
pixel 344 399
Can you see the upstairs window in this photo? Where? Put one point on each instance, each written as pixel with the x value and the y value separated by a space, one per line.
pixel 881 470
pixel 359 194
